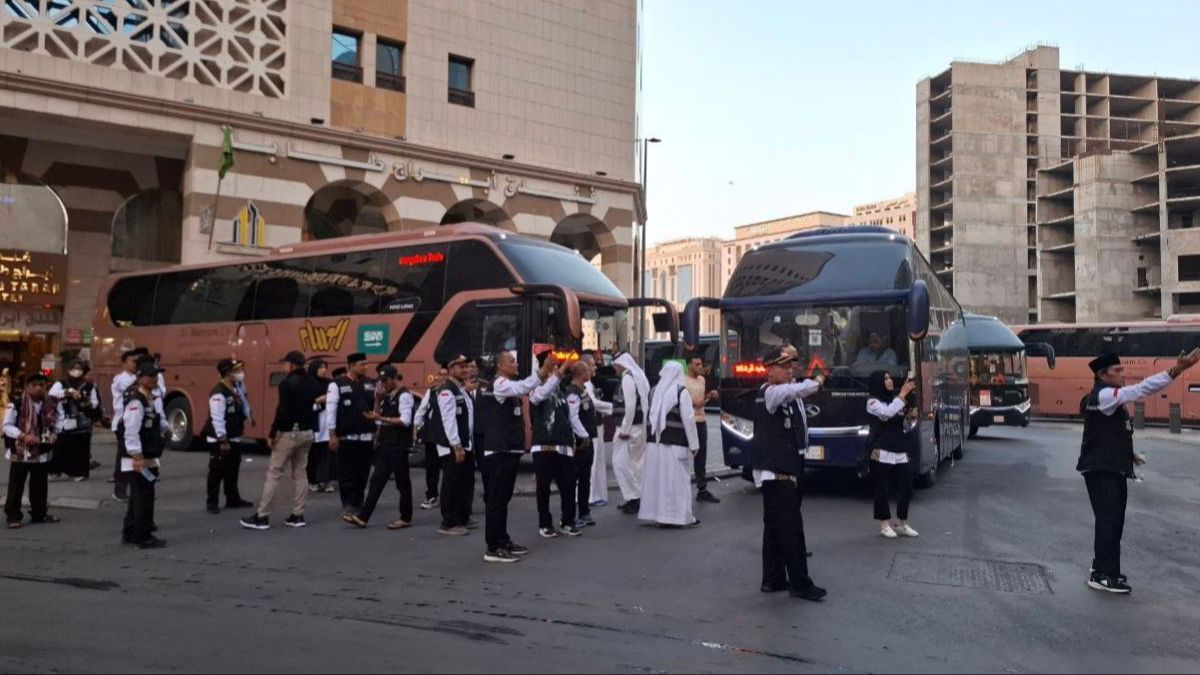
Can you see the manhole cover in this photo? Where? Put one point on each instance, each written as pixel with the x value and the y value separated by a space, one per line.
pixel 996 575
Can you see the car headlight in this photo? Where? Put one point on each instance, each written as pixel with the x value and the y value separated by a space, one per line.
pixel 738 425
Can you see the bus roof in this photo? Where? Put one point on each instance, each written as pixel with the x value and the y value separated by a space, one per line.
pixel 399 238
pixel 987 333
pixel 844 230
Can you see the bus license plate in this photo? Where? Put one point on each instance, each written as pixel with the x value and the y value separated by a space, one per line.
pixel 999 419
pixel 815 453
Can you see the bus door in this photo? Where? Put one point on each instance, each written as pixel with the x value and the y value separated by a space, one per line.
pixel 252 345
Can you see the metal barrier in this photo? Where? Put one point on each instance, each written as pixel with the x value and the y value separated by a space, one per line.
pixel 1139 415
pixel 1176 418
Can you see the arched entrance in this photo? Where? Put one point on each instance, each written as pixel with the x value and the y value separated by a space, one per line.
pixel 478 211
pixel 584 233
pixel 34 217
pixel 148 228
pixel 345 209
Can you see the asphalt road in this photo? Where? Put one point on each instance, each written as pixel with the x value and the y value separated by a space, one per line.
pixel 996 583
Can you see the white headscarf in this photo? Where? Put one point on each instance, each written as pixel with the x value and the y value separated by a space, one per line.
pixel 666 396
pixel 625 360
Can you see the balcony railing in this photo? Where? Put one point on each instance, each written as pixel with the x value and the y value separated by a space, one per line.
pixel 348 72
pixel 462 97
pixel 390 81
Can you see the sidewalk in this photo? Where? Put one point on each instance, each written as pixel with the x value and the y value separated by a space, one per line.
pixel 1152 433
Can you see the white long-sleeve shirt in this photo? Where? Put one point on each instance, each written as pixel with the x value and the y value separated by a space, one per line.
pixel 120 384
pixel 886 412
pixel 605 408
pixel 13 431
pixel 630 392
pixel 59 393
pixel 332 398
pixel 448 407
pixel 504 388
pixel 1112 398
pixel 540 395
pixel 216 410
pixel 407 405
pixel 133 416
pixel 574 404
pixel 778 395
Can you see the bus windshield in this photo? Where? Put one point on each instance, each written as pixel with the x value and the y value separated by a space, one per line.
pixel 1006 368
pixel 542 263
pixel 836 265
pixel 845 343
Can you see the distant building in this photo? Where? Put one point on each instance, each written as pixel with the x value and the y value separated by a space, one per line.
pixel 748 237
pixel 683 269
pixel 899 214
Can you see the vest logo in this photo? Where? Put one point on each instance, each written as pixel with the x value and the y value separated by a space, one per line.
pixel 812 410
pixel 324 339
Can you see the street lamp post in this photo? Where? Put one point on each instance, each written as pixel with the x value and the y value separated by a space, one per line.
pixel 640 263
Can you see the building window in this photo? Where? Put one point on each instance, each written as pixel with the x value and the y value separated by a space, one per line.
pixel 1189 268
pixel 461 81
pixel 346 63
pixel 389 60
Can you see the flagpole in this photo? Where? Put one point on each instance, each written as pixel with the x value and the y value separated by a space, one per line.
pixel 212 228
pixel 226 164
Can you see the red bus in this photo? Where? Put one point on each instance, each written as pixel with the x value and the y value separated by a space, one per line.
pixel 1146 347
pixel 409 298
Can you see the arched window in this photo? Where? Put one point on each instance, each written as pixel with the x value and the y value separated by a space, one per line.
pixel 33 216
pixel 149 226
pixel 343 210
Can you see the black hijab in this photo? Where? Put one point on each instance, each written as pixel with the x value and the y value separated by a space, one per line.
pixel 314 367
pixel 878 389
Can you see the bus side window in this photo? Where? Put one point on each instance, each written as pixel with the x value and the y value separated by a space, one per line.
pixel 479 329
pixel 131 301
pixel 281 290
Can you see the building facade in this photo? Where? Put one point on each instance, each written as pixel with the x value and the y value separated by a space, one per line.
pixel 346 117
pixel 748 237
pixel 899 214
pixel 683 269
pixel 1052 194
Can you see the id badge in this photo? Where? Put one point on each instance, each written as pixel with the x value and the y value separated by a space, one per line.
pixel 70 424
pixel 787 423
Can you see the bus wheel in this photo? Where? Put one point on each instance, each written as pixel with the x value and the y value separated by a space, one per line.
pixel 179 420
pixel 958 453
pixel 974 432
pixel 929 478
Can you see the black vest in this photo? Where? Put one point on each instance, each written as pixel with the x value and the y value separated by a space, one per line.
pixel 40 429
pixel 888 434
pixel 1107 439
pixel 779 443
pixel 235 414
pixel 673 433
pixel 503 423
pixel 587 410
pixel 552 421
pixel 393 435
pixel 462 416
pixel 355 400
pixel 81 411
pixel 150 434
pixel 619 403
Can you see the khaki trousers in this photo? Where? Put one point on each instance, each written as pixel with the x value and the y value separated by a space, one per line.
pixel 289 455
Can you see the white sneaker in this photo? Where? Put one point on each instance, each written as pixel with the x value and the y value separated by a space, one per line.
pixel 906 530
pixel 887 532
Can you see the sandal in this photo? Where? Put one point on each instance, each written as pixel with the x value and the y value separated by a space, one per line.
pixel 47 520
pixel 399 525
pixel 14 526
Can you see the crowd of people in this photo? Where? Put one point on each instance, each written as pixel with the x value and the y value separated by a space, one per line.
pixel 346 428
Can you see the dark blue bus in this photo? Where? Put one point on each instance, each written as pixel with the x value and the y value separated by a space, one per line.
pixel 853 301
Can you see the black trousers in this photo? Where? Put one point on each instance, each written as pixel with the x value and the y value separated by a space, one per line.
pixel 500 471
pixel 701 461
pixel 223 469
pixel 583 479
pixel 391 462
pixel 484 471
pixel 120 478
pixel 1109 493
pixel 139 514
pixel 785 555
pixel 433 471
pixel 553 468
pixel 38 476
pixel 73 454
pixel 883 477
pixel 354 469
pixel 458 486
pixel 322 464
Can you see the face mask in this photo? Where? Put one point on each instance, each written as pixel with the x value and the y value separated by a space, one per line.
pixel 239 377
pixel 76 374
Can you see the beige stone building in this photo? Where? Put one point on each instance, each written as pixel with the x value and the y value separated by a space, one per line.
pixel 347 117
pixel 1053 194
pixel 748 237
pixel 899 214
pixel 683 269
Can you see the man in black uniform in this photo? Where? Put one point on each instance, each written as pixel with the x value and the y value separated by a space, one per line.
pixel 780 441
pixel 141 438
pixel 583 412
pixel 1107 458
pixel 453 422
pixel 227 414
pixel 554 442
pixel 394 417
pixel 351 431
pixel 433 465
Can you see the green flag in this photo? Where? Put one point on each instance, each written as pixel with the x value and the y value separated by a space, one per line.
pixel 226 153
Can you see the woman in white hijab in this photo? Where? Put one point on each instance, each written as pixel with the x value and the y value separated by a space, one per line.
pixel 630 404
pixel 667 489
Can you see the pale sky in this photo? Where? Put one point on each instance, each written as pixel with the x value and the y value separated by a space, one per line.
pixel 769 108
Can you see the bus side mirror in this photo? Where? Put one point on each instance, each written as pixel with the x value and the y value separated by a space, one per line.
pixel 918 311
pixel 1044 350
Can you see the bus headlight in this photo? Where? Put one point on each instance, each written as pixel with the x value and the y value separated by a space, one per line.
pixel 974 410
pixel 737 425
pixel 1024 407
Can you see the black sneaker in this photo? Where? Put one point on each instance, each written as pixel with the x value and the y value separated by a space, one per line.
pixel 500 556
pixel 517 549
pixel 571 530
pixel 1120 577
pixel 631 507
pixel 813 593
pixel 1103 582
pixel 152 543
pixel 295 522
pixel 256 522
pixel 707 497
pixel 214 509
pixel 773 588
pixel 238 504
